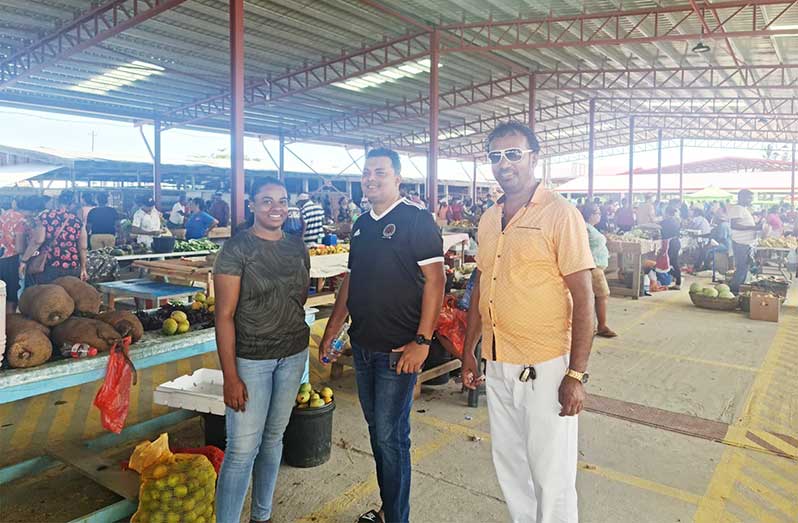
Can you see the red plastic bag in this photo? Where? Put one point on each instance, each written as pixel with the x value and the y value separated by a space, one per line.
pixel 663 261
pixel 452 326
pixel 113 398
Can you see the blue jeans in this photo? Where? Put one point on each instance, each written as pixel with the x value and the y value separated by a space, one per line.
pixel 386 399
pixel 255 436
pixel 742 259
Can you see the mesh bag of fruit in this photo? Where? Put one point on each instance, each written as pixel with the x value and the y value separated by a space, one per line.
pixel 175 488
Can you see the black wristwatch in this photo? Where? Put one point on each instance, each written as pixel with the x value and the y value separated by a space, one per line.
pixel 421 340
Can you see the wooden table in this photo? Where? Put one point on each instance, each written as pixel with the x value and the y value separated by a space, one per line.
pixel 181 271
pixel 161 256
pixel 145 289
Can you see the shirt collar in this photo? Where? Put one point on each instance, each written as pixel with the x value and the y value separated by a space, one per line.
pixel 389 209
pixel 537 196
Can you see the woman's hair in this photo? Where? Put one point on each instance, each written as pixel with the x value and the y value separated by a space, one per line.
pixel 259 183
pixel 587 210
pixel 66 197
pixel 88 198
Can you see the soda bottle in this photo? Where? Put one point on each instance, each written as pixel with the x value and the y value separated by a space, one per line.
pixel 82 350
pixel 338 343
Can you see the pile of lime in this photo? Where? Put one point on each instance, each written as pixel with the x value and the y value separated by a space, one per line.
pixel 179 492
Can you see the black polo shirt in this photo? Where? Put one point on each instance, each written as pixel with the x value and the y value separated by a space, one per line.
pixel 386 284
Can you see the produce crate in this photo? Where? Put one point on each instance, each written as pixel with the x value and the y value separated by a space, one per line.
pixel 777 287
pixel 718 304
pixel 201 391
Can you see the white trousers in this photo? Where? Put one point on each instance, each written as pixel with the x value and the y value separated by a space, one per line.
pixel 534 449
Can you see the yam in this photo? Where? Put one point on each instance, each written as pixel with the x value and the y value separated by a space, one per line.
pixel 86 297
pixel 126 324
pixel 27 344
pixel 48 304
pixel 96 333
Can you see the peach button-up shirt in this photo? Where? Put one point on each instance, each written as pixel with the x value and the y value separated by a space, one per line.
pixel 524 302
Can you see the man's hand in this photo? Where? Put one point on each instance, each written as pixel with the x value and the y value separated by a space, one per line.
pixel 472 377
pixel 84 275
pixel 235 394
pixel 412 359
pixel 572 396
pixel 325 347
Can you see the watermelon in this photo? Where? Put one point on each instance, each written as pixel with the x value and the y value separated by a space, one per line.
pixel 710 292
pixel 722 287
pixel 695 287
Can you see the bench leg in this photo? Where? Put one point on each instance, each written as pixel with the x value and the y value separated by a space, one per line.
pixel 417 390
pixel 110 300
pixel 336 370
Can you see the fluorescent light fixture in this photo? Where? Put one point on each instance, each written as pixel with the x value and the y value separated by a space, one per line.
pixel 390 74
pixel 121 76
pixel 785 27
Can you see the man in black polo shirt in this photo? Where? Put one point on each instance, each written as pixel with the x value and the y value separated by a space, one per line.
pixel 393 292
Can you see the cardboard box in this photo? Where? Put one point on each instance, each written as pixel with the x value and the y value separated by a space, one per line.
pixel 765 307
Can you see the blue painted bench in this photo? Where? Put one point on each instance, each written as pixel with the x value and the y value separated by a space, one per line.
pixel 146 289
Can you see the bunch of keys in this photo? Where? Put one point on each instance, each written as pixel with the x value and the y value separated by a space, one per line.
pixel 527 374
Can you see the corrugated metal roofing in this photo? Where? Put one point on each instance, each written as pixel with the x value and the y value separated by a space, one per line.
pixel 190 42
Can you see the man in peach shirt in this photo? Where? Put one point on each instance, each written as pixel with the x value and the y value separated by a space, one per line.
pixel 533 306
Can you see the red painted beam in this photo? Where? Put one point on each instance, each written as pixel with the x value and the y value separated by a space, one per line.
pixel 237 113
pixel 369 59
pixel 585 81
pixel 590 29
pixel 87 30
pixel 432 150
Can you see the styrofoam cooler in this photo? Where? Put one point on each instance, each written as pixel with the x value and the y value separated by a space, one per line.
pixel 3 319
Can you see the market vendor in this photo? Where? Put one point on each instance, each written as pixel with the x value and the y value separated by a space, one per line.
pixel 101 224
pixel 146 223
pixel 199 223
pixel 601 257
pixel 57 245
pixel 13 239
pixel 743 234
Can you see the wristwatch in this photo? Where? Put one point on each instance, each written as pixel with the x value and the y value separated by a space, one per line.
pixel 421 340
pixel 580 376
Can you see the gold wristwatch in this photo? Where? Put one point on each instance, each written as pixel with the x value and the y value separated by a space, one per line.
pixel 580 376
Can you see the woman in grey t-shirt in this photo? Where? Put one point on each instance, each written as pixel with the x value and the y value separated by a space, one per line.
pixel 261 278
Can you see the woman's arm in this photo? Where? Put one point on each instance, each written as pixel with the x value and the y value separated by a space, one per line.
pixel 228 289
pixel 83 246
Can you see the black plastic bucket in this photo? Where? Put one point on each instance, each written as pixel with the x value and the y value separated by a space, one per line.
pixel 307 441
pixel 215 430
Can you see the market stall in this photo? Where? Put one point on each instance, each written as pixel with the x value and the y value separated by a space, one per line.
pixel 625 271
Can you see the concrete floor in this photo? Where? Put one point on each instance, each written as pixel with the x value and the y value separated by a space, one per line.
pixel 718 366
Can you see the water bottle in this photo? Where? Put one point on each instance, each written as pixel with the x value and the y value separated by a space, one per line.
pixel 82 350
pixel 338 343
pixel 465 301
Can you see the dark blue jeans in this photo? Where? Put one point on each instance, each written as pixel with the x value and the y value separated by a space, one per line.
pixel 386 399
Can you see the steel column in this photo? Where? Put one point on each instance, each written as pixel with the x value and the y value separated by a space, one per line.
pixel 631 160
pixel 531 120
pixel 156 164
pixel 792 179
pixel 474 180
pixel 281 158
pixel 432 154
pixel 681 168
pixel 237 112
pixel 591 147
pixel 659 164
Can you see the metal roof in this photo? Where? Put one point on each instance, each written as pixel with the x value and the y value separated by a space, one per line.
pixel 632 57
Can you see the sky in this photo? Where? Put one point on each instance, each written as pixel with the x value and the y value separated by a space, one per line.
pixel 28 129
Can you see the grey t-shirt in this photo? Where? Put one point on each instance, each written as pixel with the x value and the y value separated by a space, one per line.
pixel 275 275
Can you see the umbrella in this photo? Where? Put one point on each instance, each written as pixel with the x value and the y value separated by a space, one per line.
pixel 710 193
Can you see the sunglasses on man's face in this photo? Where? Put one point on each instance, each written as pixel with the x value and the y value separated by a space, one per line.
pixel 513 155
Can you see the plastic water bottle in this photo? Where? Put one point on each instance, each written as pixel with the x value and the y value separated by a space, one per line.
pixel 465 301
pixel 338 343
pixel 82 350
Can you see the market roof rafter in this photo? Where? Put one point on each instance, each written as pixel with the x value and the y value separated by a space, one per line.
pixel 90 28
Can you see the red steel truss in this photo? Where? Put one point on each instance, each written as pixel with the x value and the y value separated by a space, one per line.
pixel 585 30
pixel 738 19
pixel 90 28
pixel 586 81
pixel 777 107
pixel 346 66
